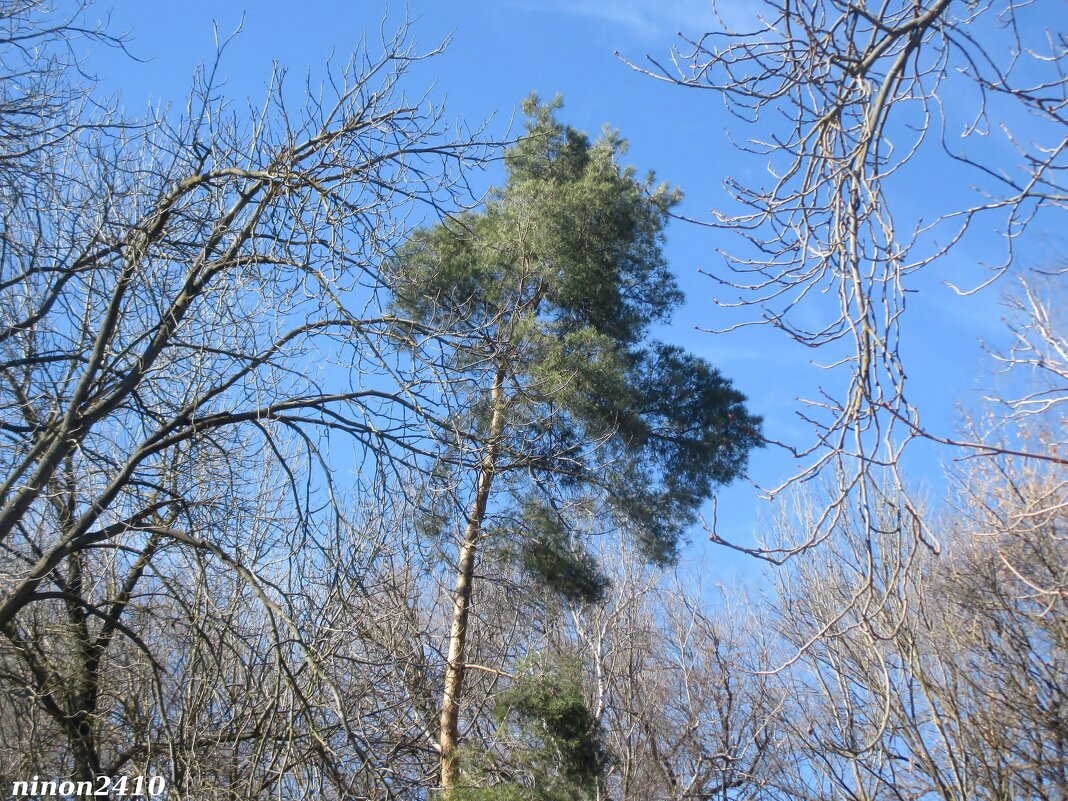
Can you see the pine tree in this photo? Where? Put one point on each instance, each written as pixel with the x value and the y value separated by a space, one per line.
pixel 572 413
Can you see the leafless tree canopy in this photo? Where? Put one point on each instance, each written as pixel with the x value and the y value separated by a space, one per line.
pixel 191 348
pixel 947 681
pixel 891 134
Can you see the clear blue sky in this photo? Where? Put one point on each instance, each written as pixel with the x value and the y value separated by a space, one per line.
pixel 501 50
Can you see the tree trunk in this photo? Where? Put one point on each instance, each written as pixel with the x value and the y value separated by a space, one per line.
pixel 449 733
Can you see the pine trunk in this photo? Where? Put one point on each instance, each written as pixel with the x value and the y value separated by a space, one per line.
pixel 449 734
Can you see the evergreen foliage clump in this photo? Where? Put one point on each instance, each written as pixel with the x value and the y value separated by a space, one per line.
pixel 557 752
pixel 554 559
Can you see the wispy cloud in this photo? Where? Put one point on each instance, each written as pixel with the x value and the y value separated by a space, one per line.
pixel 641 20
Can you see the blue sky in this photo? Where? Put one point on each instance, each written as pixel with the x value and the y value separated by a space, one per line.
pixel 500 51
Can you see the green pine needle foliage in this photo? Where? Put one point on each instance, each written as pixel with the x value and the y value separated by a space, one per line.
pixel 556 561
pixel 556 751
pixel 555 284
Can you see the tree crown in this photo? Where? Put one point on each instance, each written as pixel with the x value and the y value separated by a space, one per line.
pixel 556 283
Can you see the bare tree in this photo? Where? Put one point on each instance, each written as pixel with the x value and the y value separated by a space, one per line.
pixel 675 681
pixel 851 108
pixel 191 348
pixel 904 664
pixel 946 678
